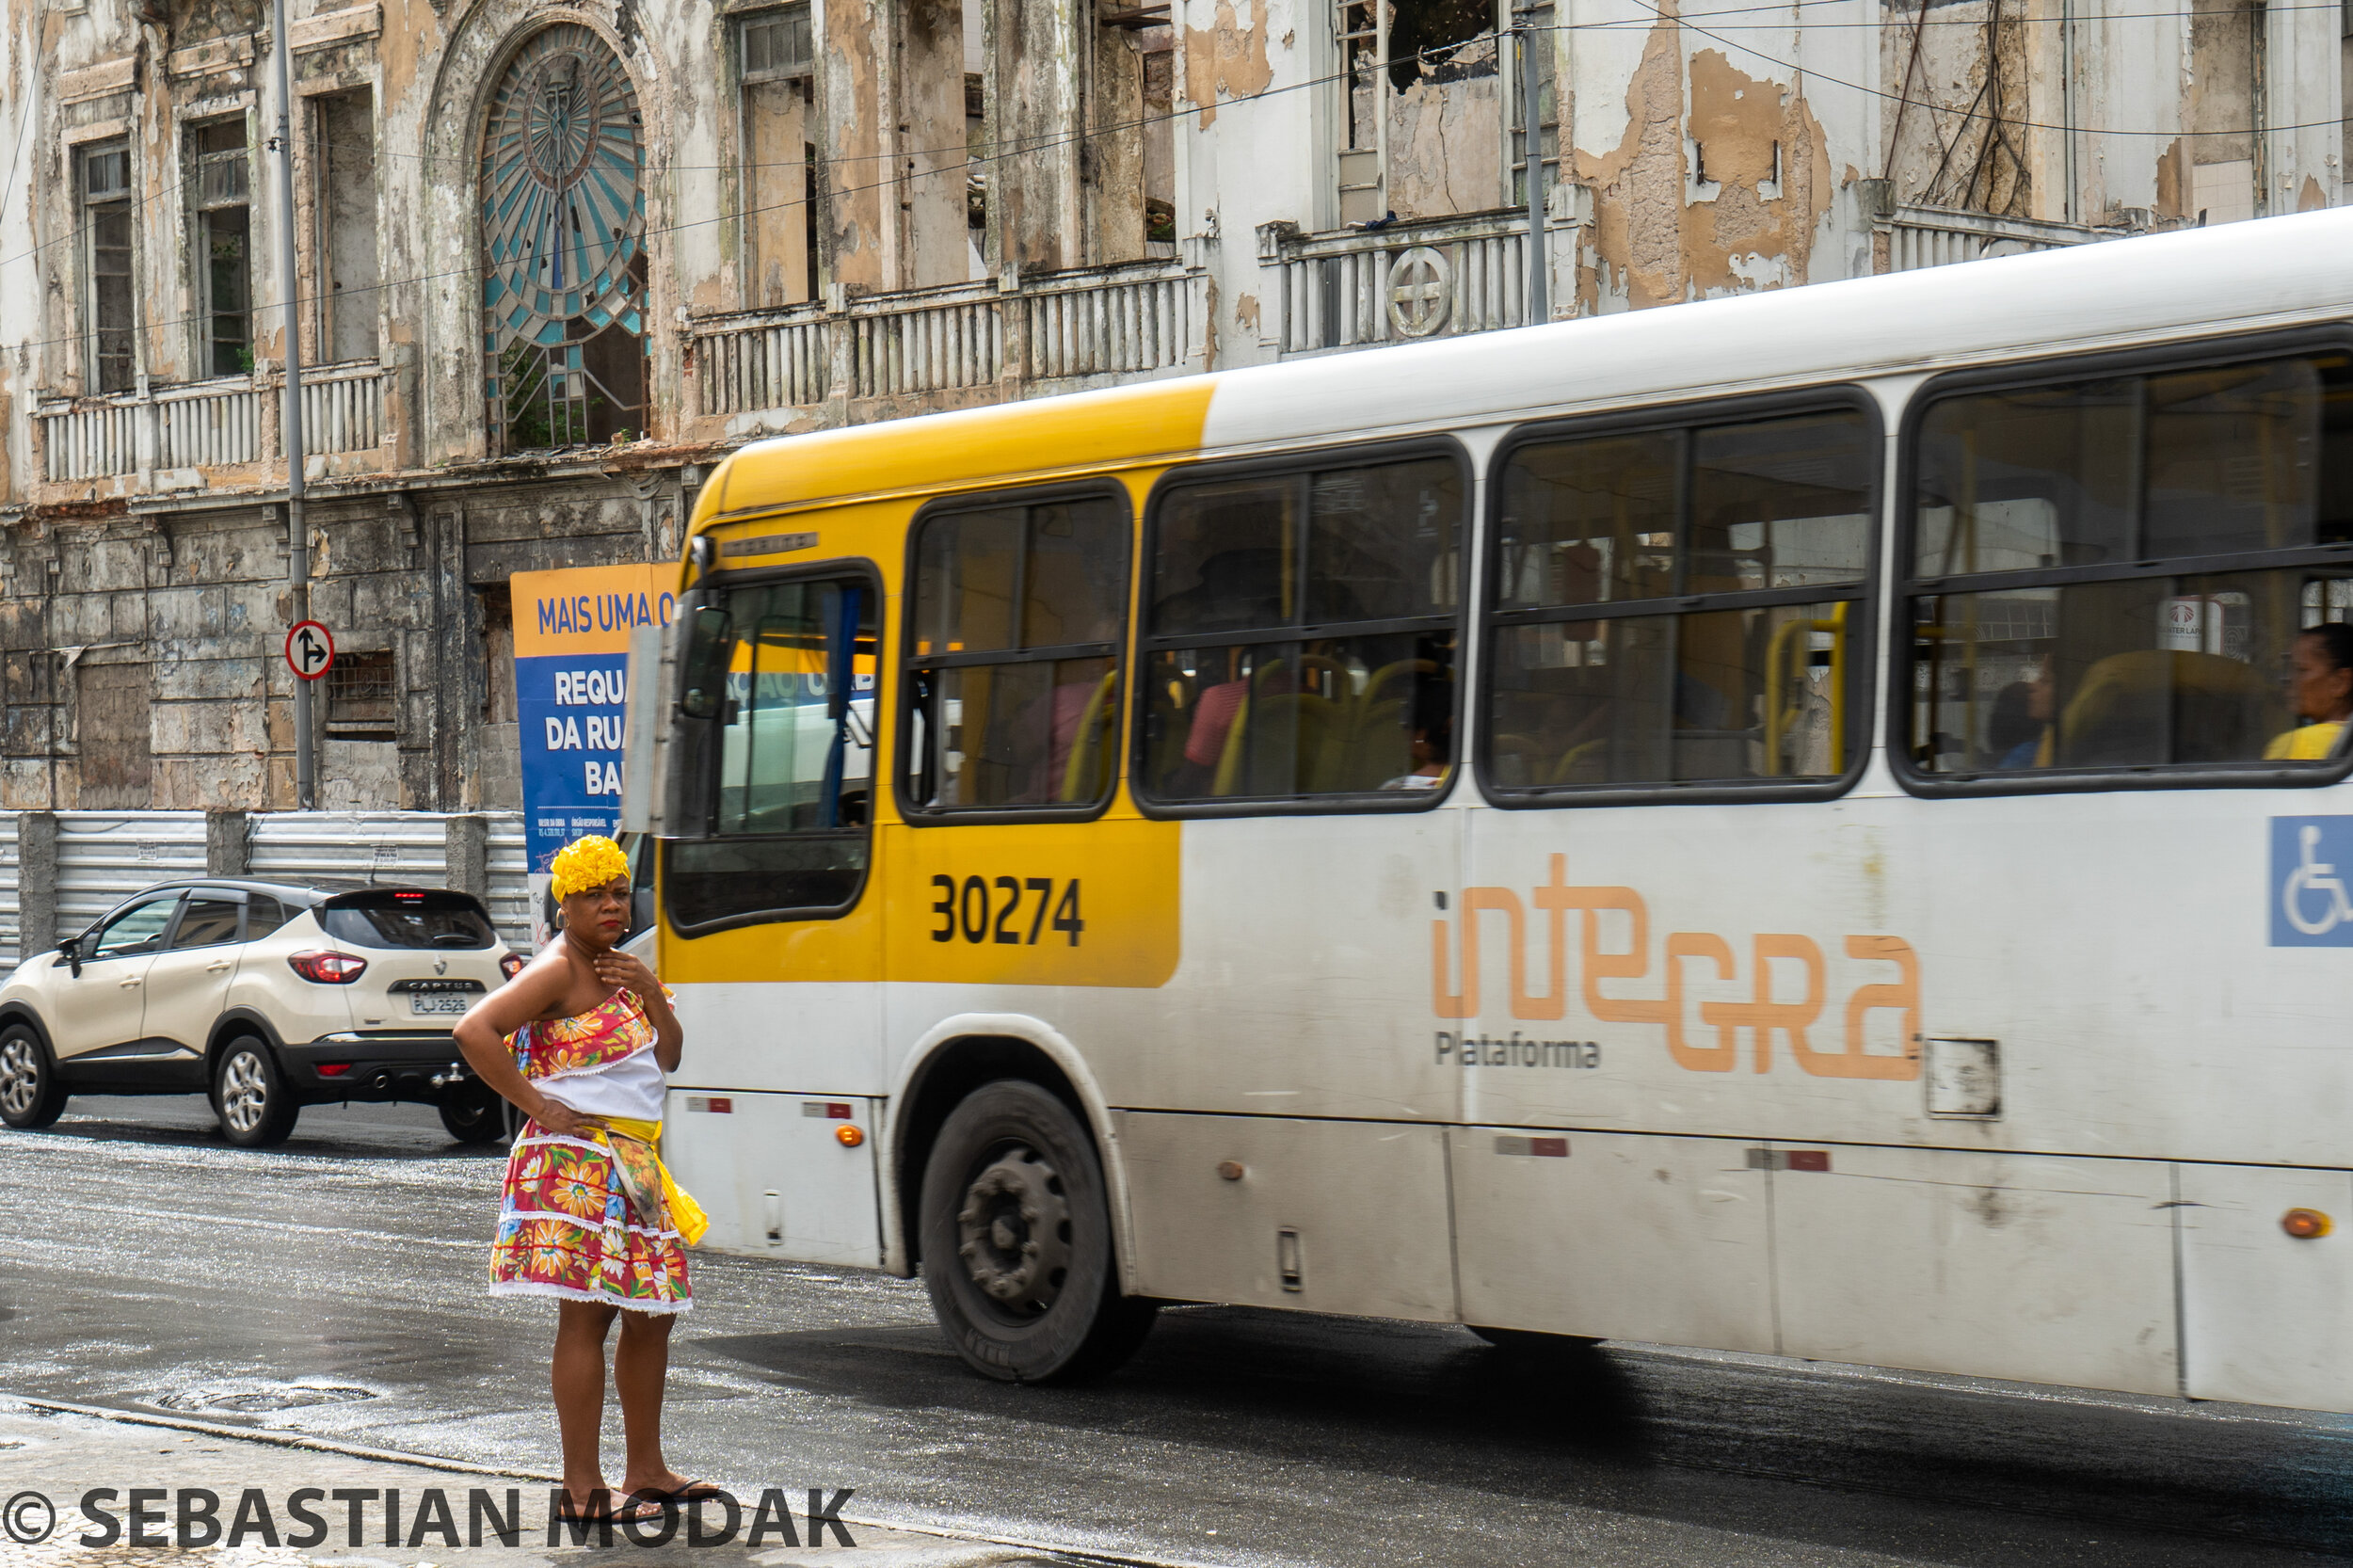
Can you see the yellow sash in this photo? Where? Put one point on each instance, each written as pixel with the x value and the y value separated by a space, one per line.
pixel 686 1216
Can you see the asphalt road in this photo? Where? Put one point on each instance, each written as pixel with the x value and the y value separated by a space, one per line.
pixel 333 1287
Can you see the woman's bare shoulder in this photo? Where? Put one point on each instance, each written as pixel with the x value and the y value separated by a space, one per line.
pixel 568 987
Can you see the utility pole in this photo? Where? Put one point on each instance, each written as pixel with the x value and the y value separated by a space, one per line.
pixel 1532 151
pixel 290 423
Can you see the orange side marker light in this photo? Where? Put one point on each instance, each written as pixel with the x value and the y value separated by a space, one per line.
pixel 2306 1224
pixel 850 1137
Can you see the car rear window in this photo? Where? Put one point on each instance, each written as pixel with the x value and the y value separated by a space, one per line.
pixel 403 918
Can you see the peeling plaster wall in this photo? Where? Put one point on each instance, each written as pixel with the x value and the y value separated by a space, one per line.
pixel 851 141
pixel 1446 136
pixel 1035 52
pixel 1111 164
pixel 1962 98
pixel 931 165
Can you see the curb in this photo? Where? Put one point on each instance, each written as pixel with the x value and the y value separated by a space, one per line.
pixel 434 1462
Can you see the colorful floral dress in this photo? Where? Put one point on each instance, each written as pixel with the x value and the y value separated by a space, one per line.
pixel 583 1216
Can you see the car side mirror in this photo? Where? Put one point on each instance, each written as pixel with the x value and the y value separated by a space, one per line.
pixel 71 948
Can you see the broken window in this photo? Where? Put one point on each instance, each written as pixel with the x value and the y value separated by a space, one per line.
pixel 362 699
pixel 498 656
pixel 1422 127
pixel 218 190
pixel 977 149
pixel 107 299
pixel 779 157
pixel 343 207
pixel 113 732
pixel 1128 160
pixel 939 52
pixel 2226 104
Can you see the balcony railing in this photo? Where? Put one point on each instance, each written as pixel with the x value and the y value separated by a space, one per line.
pixel 202 425
pixel 773 362
pixel 1123 321
pixel 343 409
pixel 939 343
pixel 1439 278
pixel 1939 237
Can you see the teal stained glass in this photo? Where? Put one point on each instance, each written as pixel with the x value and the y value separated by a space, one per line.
pixel 564 217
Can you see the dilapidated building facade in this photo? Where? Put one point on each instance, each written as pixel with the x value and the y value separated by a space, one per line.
pixel 557 259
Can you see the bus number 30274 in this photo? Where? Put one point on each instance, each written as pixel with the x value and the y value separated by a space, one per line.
pixel 1010 909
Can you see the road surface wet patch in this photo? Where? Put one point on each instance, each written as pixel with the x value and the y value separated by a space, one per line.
pixel 255 1399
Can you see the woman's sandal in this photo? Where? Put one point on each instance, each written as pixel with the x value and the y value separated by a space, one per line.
pixel 693 1492
pixel 640 1508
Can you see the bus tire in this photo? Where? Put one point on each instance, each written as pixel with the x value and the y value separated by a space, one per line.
pixel 1016 1238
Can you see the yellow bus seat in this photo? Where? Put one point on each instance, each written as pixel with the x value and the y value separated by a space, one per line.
pixel 2160 705
pixel 1079 780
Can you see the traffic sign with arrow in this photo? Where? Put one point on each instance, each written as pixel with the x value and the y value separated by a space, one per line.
pixel 310 650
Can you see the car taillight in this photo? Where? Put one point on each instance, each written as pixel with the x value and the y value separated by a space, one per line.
pixel 328 969
pixel 512 964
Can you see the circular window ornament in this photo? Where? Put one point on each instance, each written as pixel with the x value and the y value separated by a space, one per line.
pixel 1421 292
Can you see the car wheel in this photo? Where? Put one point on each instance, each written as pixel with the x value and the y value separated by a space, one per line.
pixel 30 1094
pixel 251 1097
pixel 1017 1243
pixel 472 1113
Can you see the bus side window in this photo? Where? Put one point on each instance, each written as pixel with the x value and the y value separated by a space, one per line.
pixel 1015 626
pixel 1300 636
pixel 777 722
pixel 1682 605
pixel 2043 639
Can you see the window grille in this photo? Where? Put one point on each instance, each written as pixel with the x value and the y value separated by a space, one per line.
pixel 361 696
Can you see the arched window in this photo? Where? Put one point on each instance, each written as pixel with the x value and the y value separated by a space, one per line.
pixel 564 236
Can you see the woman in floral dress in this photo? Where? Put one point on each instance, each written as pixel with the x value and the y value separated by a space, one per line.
pixel 581 1042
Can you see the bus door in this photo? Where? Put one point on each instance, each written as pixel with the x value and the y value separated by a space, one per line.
pixel 773 936
pixel 1299 673
pixel 1676 673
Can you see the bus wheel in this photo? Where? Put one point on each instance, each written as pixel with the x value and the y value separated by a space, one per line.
pixel 1018 1241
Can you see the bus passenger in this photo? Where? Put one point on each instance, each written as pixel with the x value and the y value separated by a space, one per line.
pixel 2019 727
pixel 1433 746
pixel 2321 686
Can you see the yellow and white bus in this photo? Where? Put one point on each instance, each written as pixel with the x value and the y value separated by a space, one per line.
pixel 1782 825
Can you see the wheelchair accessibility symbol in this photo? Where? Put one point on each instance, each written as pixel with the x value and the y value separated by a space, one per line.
pixel 2311 905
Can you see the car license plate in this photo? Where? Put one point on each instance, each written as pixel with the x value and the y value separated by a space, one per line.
pixel 439 1004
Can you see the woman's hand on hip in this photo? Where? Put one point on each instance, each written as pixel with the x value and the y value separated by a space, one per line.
pixel 558 1117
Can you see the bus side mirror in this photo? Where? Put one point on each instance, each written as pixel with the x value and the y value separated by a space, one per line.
pixel 645 729
pixel 703 668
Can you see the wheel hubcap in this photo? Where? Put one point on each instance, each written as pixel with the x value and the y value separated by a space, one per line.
pixel 20 1077
pixel 243 1092
pixel 1014 1232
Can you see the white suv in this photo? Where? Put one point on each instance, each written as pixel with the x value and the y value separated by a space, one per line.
pixel 267 995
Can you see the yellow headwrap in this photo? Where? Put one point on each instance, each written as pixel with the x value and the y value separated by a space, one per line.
pixel 587 862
